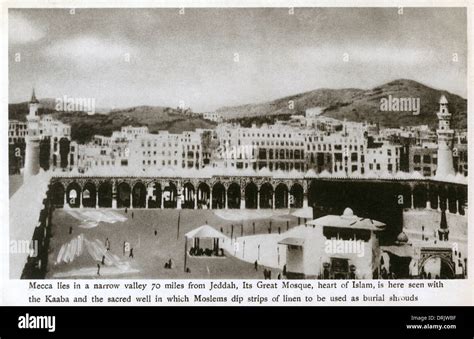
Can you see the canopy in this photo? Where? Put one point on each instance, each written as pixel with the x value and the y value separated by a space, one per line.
pixel 292 241
pixel 205 232
pixel 348 220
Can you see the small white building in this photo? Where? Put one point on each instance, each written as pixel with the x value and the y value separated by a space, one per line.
pixel 335 247
pixel 212 116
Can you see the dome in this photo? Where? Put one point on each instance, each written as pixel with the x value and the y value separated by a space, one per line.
pixel 402 238
pixel 348 212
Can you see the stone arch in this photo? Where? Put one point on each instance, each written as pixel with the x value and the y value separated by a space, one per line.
pixel 218 196
pixel 188 195
pixel 446 269
pixel 203 195
pixel 443 197
pixel 123 195
pixel 154 195
pixel 281 196
pixel 73 194
pixel 105 194
pixel 297 196
pixel 170 195
pixel 251 195
pixel 89 195
pixel 452 199
pixel 139 193
pixel 233 196
pixel 57 194
pixel 420 196
pixel 433 196
pixel 462 200
pixel 266 195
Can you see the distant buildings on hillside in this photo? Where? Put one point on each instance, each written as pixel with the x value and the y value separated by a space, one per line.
pixel 302 143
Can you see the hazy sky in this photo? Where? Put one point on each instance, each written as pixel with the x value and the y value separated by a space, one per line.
pixel 192 58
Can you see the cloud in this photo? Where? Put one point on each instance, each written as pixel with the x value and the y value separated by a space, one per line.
pixel 21 30
pixel 90 49
pixel 372 55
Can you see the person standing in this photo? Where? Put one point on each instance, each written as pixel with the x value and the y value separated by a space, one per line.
pixel 98 269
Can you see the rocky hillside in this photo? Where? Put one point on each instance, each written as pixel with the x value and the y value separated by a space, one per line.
pixel 362 105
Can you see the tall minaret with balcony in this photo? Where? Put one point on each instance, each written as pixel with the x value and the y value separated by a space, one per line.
pixel 32 164
pixel 445 140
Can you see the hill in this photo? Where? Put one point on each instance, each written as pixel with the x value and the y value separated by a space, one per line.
pixel 361 105
pixel 85 126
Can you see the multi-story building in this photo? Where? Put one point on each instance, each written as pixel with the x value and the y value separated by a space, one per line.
pixel 342 151
pixel 311 142
pixel 17 131
pixel 423 159
pixel 384 158
pixel 275 147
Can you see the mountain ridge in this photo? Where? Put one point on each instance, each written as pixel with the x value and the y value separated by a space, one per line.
pixel 360 105
pixel 352 104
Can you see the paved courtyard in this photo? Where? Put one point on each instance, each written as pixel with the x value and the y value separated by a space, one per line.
pixel 76 254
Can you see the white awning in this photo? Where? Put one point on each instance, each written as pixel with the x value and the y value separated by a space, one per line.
pixel 292 241
pixel 205 232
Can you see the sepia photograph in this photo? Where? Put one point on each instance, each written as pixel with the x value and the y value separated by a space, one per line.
pixel 260 143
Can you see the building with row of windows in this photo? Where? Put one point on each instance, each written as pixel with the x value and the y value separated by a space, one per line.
pixel 311 142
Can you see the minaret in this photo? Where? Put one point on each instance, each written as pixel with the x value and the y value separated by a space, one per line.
pixel 445 140
pixel 443 231
pixel 32 151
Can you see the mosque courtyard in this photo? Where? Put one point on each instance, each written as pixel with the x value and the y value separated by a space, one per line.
pixel 80 237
